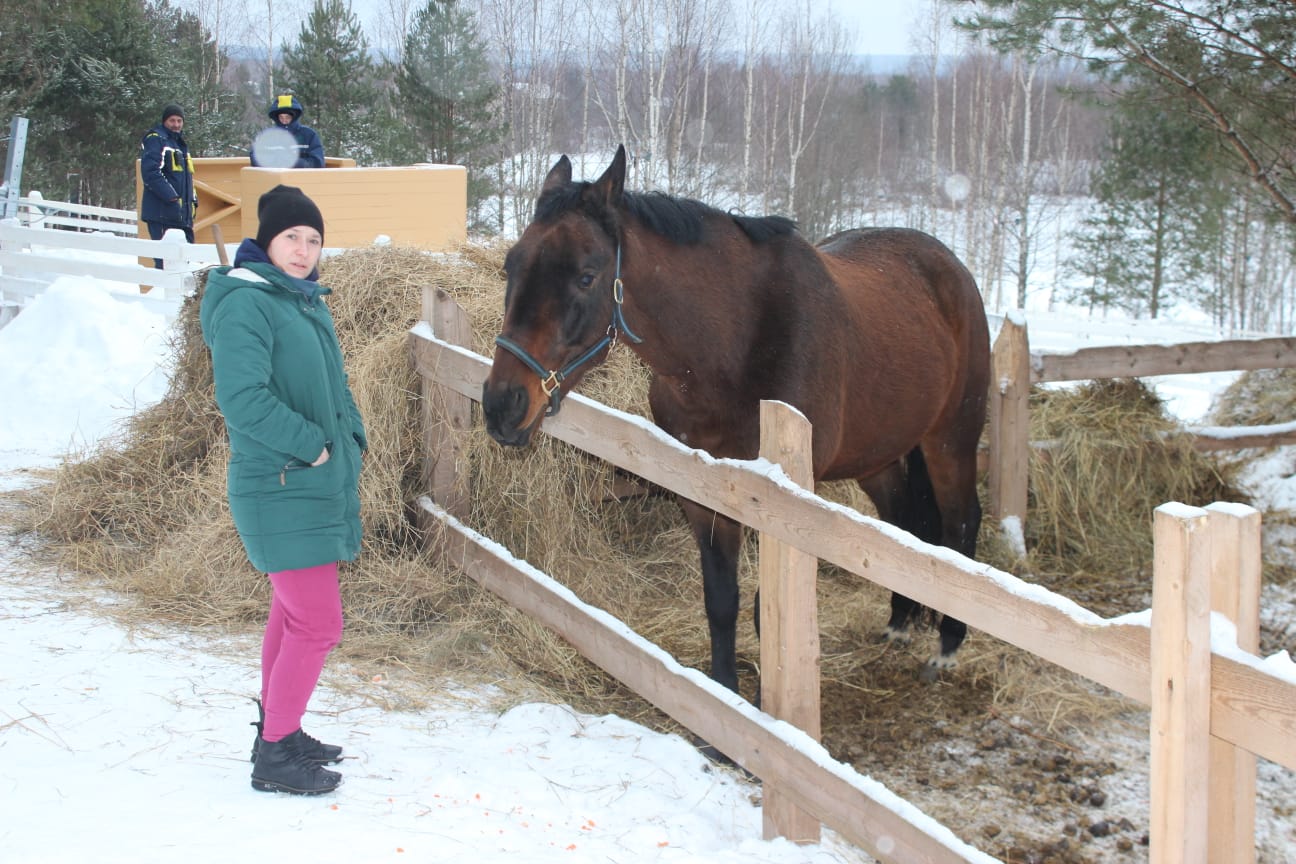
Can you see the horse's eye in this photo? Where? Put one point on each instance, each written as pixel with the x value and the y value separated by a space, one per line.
pixel 586 280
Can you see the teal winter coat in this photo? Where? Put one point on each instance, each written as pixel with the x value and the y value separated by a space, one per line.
pixel 281 387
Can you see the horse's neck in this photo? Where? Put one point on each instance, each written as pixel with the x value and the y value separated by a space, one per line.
pixel 682 302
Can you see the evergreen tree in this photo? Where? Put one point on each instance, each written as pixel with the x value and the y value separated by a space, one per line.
pixel 1231 62
pixel 194 78
pixel 447 94
pixel 1159 199
pixel 331 72
pixel 91 76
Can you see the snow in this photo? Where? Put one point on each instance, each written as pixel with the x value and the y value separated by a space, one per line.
pixel 132 745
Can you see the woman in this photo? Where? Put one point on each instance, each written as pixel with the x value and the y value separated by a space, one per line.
pixel 296 442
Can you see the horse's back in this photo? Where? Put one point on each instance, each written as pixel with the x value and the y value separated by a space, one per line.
pixel 888 264
pixel 921 329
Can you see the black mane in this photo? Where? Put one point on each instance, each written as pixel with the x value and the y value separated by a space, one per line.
pixel 680 220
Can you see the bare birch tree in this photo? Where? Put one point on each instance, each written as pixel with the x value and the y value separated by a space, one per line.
pixel 813 51
pixel 532 50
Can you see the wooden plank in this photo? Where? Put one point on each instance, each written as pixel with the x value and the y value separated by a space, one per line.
pixel 1009 423
pixel 860 809
pixel 1236 563
pixel 1185 358
pixel 49 221
pixel 1250 707
pixel 445 413
pixel 1181 653
pixel 39 202
pixel 169 280
pixel 789 620
pixel 1209 439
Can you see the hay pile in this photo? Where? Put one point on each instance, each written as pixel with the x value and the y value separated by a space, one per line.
pixel 1110 461
pixel 145 513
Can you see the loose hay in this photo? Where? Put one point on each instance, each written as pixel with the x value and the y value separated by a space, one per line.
pixel 1109 463
pixel 145 512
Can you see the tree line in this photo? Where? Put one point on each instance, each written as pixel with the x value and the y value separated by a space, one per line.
pixel 1142 156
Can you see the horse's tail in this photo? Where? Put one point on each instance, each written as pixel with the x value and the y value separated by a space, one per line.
pixel 919 514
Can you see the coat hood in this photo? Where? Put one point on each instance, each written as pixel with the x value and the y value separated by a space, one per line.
pixel 286 102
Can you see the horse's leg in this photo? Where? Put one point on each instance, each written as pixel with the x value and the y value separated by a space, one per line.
pixel 953 481
pixel 886 490
pixel 719 541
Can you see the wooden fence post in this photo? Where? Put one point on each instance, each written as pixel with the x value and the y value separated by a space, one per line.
pixel 1236 549
pixel 1181 685
pixel 1009 422
pixel 445 412
pixel 789 631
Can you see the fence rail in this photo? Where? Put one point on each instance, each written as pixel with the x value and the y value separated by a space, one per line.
pixel 1016 368
pixel 29 257
pixel 1248 706
pixel 35 211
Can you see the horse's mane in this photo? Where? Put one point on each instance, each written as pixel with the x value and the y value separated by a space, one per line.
pixel 680 220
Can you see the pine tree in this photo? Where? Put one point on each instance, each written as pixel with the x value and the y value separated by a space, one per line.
pixel 1159 197
pixel 331 72
pixel 447 94
pixel 194 71
pixel 1230 62
pixel 91 76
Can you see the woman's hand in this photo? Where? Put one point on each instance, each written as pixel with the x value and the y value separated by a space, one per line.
pixel 323 457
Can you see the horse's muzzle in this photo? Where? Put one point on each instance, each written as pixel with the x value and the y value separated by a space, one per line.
pixel 505 407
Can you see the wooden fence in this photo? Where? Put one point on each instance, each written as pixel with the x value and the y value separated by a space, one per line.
pixel 1016 369
pixel 1214 706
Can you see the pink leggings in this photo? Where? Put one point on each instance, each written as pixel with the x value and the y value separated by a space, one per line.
pixel 305 623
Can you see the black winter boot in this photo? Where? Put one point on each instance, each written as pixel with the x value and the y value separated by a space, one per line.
pixel 283 766
pixel 314 749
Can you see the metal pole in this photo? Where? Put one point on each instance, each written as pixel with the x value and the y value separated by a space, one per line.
pixel 13 168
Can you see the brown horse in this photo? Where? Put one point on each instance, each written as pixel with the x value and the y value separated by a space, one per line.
pixel 878 336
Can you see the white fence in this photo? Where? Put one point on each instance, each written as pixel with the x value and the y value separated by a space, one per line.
pixel 51 239
pixel 35 212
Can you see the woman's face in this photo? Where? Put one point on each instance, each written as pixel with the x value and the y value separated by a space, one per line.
pixel 296 250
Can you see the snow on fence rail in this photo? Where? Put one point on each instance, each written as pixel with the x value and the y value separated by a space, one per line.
pixel 1214 705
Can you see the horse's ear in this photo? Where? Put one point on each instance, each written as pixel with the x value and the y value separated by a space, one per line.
pixel 559 175
pixel 612 183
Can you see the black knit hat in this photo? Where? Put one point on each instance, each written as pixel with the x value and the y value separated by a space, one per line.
pixel 285 207
pixel 172 110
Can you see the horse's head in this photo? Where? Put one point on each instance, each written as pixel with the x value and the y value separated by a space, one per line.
pixel 562 303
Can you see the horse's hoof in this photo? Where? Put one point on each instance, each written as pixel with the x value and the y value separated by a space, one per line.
pixel 711 753
pixel 932 669
pixel 715 757
pixel 894 637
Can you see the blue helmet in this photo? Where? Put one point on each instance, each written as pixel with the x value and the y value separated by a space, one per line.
pixel 286 102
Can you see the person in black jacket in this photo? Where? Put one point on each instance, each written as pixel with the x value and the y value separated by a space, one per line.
pixel 169 199
pixel 286 113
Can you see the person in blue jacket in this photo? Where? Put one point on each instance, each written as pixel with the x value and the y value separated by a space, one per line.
pixel 169 199
pixel 286 113
pixel 296 443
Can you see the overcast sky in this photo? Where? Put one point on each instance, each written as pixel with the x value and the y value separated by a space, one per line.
pixel 881 26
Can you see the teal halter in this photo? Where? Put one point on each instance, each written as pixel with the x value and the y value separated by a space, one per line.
pixel 551 380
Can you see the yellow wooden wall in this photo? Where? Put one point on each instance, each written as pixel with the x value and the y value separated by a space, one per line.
pixel 417 205
pixel 424 206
